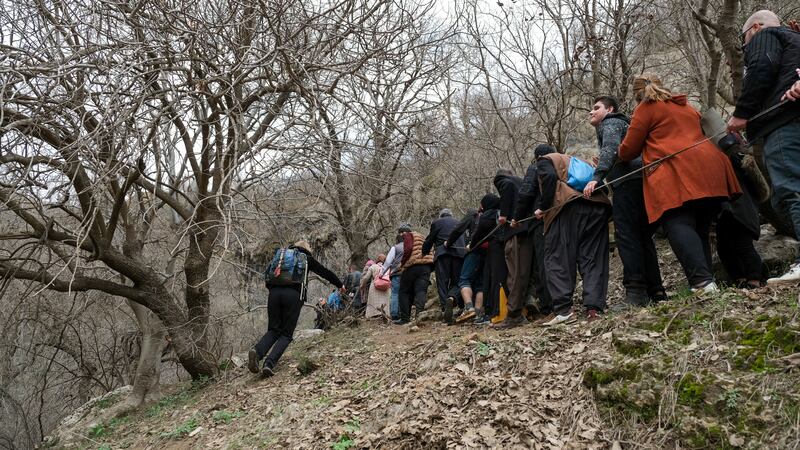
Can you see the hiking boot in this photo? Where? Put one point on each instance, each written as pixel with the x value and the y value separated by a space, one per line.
pixel 559 318
pixel 448 311
pixel 482 319
pixel 636 297
pixel 252 360
pixel 267 372
pixel 707 288
pixel 510 322
pixel 466 315
pixel 660 296
pixel 593 315
pixel 791 276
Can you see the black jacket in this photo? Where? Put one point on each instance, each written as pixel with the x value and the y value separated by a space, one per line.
pixel 508 189
pixel 610 133
pixel 465 227
pixel 548 182
pixel 770 58
pixel 745 208
pixel 439 233
pixel 486 221
pixel 528 197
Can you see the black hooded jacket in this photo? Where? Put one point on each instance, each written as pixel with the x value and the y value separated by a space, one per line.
pixel 508 188
pixel 465 227
pixel 316 267
pixel 490 205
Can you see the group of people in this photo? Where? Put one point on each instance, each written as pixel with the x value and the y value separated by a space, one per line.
pixel 665 166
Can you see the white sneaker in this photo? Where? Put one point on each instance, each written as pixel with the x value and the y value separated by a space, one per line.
pixel 707 289
pixel 558 319
pixel 792 275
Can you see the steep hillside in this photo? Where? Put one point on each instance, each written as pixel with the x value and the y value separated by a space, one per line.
pixel 693 372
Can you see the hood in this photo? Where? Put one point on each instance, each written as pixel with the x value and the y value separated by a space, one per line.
pixel 616 115
pixel 679 99
pixel 490 201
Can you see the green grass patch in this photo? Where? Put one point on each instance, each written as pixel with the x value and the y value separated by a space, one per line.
pixel 225 416
pixel 182 431
pixel 105 429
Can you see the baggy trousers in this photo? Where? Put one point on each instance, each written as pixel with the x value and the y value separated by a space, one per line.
pixel 394 302
pixel 736 250
pixel 538 280
pixel 495 273
pixel 578 237
pixel 634 237
pixel 283 309
pixel 519 256
pixel 414 282
pixel 448 271
pixel 782 158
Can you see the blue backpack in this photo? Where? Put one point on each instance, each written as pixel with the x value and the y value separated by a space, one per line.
pixel 579 173
pixel 288 267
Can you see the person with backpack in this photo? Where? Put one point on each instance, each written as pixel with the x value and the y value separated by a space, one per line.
pixel 378 292
pixel 286 278
pixel 641 275
pixel 771 57
pixel 447 260
pixel 575 234
pixel 683 194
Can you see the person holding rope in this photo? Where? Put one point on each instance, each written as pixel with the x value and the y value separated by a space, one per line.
pixel 415 276
pixel 485 239
pixel 684 193
pixel 470 279
pixel 772 55
pixel 576 236
pixel 447 260
pixel 641 275
pixel 528 202
pixel 286 279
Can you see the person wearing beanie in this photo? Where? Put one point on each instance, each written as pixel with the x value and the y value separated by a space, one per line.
pixel 471 277
pixel 283 310
pixel 415 277
pixel 447 261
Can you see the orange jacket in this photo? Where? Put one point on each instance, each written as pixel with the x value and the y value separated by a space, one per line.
pixel 659 129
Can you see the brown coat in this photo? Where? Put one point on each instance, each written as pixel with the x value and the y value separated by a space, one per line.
pixel 416 257
pixel 565 193
pixel 659 129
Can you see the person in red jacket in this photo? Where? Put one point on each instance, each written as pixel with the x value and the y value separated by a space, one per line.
pixel 684 194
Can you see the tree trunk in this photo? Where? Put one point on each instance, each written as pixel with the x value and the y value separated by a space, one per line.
pixel 148 370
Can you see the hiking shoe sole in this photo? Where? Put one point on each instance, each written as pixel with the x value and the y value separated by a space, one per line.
pixel 252 361
pixel 465 316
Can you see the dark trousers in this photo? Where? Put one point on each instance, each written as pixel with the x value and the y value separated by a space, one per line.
pixel 414 282
pixel 736 250
pixel 519 255
pixel 283 309
pixel 495 273
pixel 538 283
pixel 634 237
pixel 687 229
pixel 578 237
pixel 448 270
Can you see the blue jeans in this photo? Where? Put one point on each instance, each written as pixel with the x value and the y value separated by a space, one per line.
pixel 782 158
pixel 472 270
pixel 394 303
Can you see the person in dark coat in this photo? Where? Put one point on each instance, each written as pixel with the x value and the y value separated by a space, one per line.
pixel 738 226
pixel 528 202
pixel 771 57
pixel 470 280
pixel 641 275
pixel 283 309
pixel 494 266
pixel 517 247
pixel 447 260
